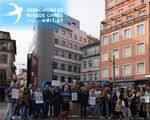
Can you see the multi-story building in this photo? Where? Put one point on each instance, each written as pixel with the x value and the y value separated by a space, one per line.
pixel 7 59
pixel 57 48
pixel 90 61
pixel 125 34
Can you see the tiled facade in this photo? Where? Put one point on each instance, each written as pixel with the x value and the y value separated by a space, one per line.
pixel 125 34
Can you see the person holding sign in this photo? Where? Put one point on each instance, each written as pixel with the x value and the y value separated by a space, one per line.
pixel 147 94
pixel 75 98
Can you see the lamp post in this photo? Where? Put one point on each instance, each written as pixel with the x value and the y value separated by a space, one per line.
pixel 113 71
pixel 52 62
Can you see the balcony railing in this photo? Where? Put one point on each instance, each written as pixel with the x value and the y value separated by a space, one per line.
pixel 125 13
pixel 125 24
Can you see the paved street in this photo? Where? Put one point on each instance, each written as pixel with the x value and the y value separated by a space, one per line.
pixel 3 108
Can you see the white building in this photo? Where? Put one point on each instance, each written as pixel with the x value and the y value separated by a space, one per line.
pixel 60 47
pixel 90 61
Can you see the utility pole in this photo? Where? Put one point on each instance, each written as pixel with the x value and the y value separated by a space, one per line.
pixel 113 71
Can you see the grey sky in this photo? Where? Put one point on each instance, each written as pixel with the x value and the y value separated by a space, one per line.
pixel 88 12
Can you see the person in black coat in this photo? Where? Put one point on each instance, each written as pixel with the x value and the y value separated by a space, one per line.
pixel 56 101
pixel 46 98
pixel 83 100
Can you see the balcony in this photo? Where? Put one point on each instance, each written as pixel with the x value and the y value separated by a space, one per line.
pixel 137 8
pixel 125 24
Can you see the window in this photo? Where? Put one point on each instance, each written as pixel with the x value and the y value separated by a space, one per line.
pixel 110 3
pixel 75 68
pixel 90 77
pixel 127 51
pixel 55 65
pixel 131 6
pixel 96 63
pixel 3 75
pixel 140 29
pixel 80 39
pixel 56 52
pixel 3 58
pixel 75 37
pixel 116 71
pixel 70 68
pixel 69 79
pixel 70 35
pixel 129 18
pixel 127 33
pixel 84 77
pixel 75 57
pixel 54 77
pixel 120 11
pixel 62 66
pixel 140 68
pixel 96 76
pixel 62 54
pixel 75 47
pixel 70 56
pixel 105 40
pixel 63 43
pixel 105 56
pixel 56 41
pixel 115 37
pixel 104 72
pixel 3 45
pixel 110 15
pixel 140 49
pixel 56 30
pixel 142 13
pixel 62 79
pixel 90 63
pixel 115 53
pixel 70 45
pixel 63 32
pixel 127 69
pixel 117 22
pixel 84 65
pixel 85 40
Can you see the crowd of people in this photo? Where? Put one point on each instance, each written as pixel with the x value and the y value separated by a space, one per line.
pixel 86 100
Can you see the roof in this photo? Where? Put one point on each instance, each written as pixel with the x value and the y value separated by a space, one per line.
pixel 91 44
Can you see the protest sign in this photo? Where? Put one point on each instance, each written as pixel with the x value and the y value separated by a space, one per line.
pixel 38 97
pixel 92 101
pixel 55 83
pixel 15 93
pixel 74 96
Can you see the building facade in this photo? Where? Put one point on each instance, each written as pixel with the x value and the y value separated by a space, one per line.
pixel 125 34
pixel 90 61
pixel 7 59
pixel 58 49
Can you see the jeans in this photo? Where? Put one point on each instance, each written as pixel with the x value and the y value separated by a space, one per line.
pixel 9 111
pixel 24 112
pixel 46 108
pixel 83 110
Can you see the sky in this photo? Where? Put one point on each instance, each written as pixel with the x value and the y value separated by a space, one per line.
pixel 89 12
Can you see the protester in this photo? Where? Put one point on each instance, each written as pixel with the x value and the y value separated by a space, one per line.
pixel 24 103
pixel 46 98
pixel 83 99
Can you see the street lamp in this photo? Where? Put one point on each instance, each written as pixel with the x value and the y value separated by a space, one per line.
pixel 113 71
pixel 52 62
